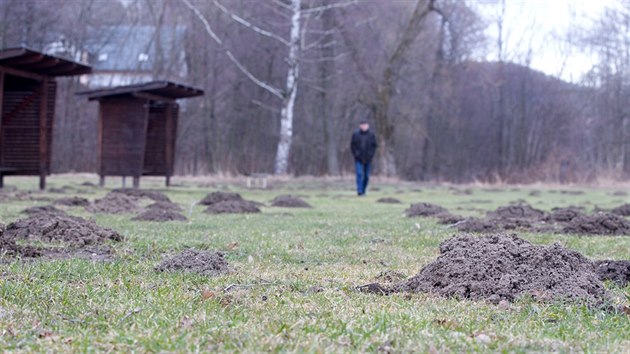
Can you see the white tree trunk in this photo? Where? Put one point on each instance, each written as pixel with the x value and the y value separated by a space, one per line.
pixel 288 100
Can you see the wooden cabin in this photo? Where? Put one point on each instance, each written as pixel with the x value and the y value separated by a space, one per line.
pixel 137 128
pixel 27 107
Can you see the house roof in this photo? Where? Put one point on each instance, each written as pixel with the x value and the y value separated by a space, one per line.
pixel 25 59
pixel 164 89
pixel 133 48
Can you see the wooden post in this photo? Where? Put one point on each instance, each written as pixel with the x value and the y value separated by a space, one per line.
pixel 1 117
pixel 43 134
pixel 99 147
pixel 168 181
pixel 124 181
pixel 169 140
pixel 140 169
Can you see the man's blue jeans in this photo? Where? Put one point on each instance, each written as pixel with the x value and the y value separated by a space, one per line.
pixel 363 176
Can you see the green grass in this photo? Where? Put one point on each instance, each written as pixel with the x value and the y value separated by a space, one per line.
pixel 282 256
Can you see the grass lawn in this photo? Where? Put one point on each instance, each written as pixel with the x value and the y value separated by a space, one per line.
pixel 296 273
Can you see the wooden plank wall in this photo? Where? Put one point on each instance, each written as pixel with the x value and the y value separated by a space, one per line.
pixel 124 132
pixel 20 128
pixel 155 153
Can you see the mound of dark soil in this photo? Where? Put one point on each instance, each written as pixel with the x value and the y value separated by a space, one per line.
pixel 143 193
pixel 164 206
pixel 478 225
pixel 63 233
pixel 571 192
pixel 457 191
pixel 620 193
pixel 623 210
pixel 43 210
pixel 289 201
pixel 501 267
pixel 9 247
pixel 449 219
pixel 160 215
pixel 114 203
pixel 617 271
pixel 73 201
pixel 424 209
pixel 486 225
pixel 232 207
pixel 389 201
pixel 564 214
pixel 598 224
pixel 12 195
pixel 89 184
pixel 217 197
pixel 57 190
pixel 520 211
pixel 194 261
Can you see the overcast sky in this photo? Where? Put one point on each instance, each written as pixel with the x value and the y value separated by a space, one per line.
pixel 542 25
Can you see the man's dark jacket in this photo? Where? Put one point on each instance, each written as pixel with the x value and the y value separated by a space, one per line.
pixel 363 145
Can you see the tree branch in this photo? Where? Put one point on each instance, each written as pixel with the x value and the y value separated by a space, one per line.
pixel 273 90
pixel 250 25
pixel 328 7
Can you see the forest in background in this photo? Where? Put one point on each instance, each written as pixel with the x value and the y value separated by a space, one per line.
pixel 287 81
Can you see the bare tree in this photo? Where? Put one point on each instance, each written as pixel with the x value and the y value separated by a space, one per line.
pixel 383 85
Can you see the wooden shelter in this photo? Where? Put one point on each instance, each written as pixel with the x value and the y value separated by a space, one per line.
pixel 27 108
pixel 137 127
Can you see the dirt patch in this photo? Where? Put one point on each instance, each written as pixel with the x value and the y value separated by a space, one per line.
pixel 15 195
pixel 43 210
pixel 619 193
pixel 217 197
pixel 194 261
pixel 114 203
pixel 519 210
pixel 519 216
pixel 73 202
pixel 616 271
pixel 232 207
pixel 289 201
pixel 485 225
pixel 598 224
pixel 143 193
pixel 9 247
pixel 501 267
pixel 160 215
pixel 165 206
pixel 478 225
pixel 389 201
pixel 449 219
pixel 623 210
pixel 571 192
pixel 564 214
pixel 535 193
pixel 457 191
pixel 57 190
pixel 424 209
pixel 56 235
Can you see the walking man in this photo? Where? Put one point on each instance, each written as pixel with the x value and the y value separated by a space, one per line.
pixel 363 147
